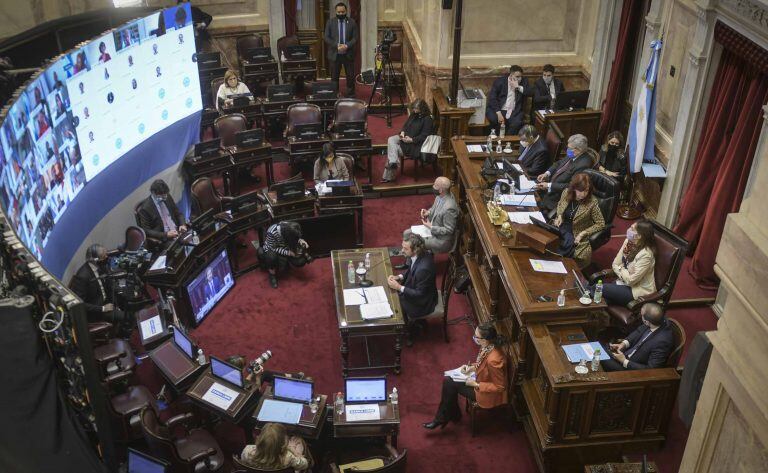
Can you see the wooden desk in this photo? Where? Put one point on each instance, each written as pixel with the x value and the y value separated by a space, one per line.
pixel 310 425
pixel 178 370
pixel 240 407
pixel 293 70
pixel 253 217
pixel 331 204
pixel 290 209
pixel 196 167
pixel 620 468
pixel 596 417
pixel 586 122
pixel 470 164
pixel 256 73
pixel 351 323
pixel 252 111
pixel 388 424
pixel 243 157
pixel 357 147
pixel 301 151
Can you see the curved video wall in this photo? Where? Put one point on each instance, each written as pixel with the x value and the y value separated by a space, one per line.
pixel 89 110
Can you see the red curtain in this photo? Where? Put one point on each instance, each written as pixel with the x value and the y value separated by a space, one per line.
pixel 723 160
pixel 290 17
pixel 620 82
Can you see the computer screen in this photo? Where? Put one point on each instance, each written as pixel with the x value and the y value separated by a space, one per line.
pixel 295 389
pixel 210 286
pixel 183 342
pixel 227 372
pixel 366 389
pixel 142 463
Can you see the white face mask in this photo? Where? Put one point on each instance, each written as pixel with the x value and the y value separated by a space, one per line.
pixel 524 144
pixel 547 80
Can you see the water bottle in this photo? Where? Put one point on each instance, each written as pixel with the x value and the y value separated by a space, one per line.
pixel 561 298
pixel 498 147
pixel 393 397
pixel 496 193
pixel 350 272
pixel 489 143
pixel 493 134
pixel 282 56
pixel 502 132
pixel 195 238
pixel 200 357
pixel 339 403
pixel 596 360
pixel 598 292
pixel 367 261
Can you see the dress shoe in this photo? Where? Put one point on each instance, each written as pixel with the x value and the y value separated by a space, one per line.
pixel 400 266
pixel 273 281
pixel 434 424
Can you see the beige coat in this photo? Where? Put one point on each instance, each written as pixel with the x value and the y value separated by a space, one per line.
pixel 588 219
pixel 338 166
pixel 638 274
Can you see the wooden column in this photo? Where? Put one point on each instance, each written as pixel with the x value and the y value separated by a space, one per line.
pixel 450 121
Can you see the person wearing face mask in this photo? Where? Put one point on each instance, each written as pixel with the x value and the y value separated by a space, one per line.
pixel 546 88
pixel 159 216
pixel 534 154
pixel 647 347
pixel 505 101
pixel 578 217
pixel 341 37
pixel 633 266
pixel 486 384
pixel 408 143
pixel 440 219
pixel 329 166
pixel 93 288
pixel 557 178
pixel 231 86
pixel 613 162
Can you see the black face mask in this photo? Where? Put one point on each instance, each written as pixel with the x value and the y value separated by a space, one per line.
pixel 435 191
pixel 341 17
pixel 613 148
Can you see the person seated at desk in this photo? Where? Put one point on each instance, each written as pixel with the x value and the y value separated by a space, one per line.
pixel 440 219
pixel 578 217
pixel 329 166
pixel 633 266
pixel 505 101
pixel 486 384
pixel 546 88
pixel 647 347
pixel 408 143
pixel 230 86
pixel 283 246
pixel 534 154
pixel 416 287
pixel 275 450
pixel 259 376
pixel 92 287
pixel 159 216
pixel 558 176
pixel 613 161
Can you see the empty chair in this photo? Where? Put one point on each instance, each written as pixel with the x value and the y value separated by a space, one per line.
pixel 284 42
pixel 392 462
pixel 226 126
pixel 302 114
pixel 206 197
pixel 606 189
pixel 554 141
pixel 244 43
pixel 125 405
pixel 349 110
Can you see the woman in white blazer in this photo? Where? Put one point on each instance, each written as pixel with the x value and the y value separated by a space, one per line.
pixel 634 266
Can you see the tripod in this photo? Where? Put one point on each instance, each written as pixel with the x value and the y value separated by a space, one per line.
pixel 385 75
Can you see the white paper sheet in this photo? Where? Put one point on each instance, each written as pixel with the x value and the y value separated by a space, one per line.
pixel 544 266
pixel 475 148
pixel 518 200
pixel 380 310
pixel 220 396
pixel 361 412
pixel 150 327
pixel 283 412
pixel 456 375
pixel 524 217
pixel 354 296
pixel 518 167
pixel 158 264
pixel 368 295
pixel 526 185
pixel 421 230
pixel 376 294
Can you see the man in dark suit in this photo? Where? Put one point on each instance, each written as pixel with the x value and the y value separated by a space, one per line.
pixel 341 36
pixel 159 216
pixel 212 285
pixel 558 176
pixel 546 88
pixel 534 154
pixel 417 287
pixel 92 287
pixel 648 346
pixel 506 100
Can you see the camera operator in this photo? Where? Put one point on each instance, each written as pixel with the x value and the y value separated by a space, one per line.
pixel 90 283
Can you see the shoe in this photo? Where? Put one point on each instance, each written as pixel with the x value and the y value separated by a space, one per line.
pixel 434 424
pixel 385 181
pixel 400 266
pixel 273 281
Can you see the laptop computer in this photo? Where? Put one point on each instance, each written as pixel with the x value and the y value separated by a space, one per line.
pixel 293 390
pixel 297 51
pixel 324 89
pixel 241 100
pixel 542 224
pixel 366 390
pixel 207 149
pixel 140 462
pixel 351 129
pixel 183 343
pixel 280 92
pixel 249 138
pixel 308 131
pixel 572 100
pixel 340 187
pixel 258 55
pixel 579 284
pixel 469 94
pixel 223 371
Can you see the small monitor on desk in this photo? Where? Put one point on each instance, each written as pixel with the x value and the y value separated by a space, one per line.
pixel 139 462
pixel 258 55
pixel 226 372
pixel 249 138
pixel 340 187
pixel 184 343
pixel 297 52
pixel 288 190
pixel 210 285
pixel 365 390
pixel 291 389
pixel 207 149
pixel 203 222
pixel 572 100
pixel 208 60
pixel 351 129
pixel 241 100
pixel 324 89
pixel 280 92
pixel 308 131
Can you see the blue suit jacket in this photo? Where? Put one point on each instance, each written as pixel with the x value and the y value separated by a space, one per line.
pixel 419 297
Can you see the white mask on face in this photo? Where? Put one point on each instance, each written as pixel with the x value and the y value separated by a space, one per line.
pixel 547 80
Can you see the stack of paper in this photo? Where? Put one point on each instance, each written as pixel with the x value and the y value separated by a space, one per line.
pixel 457 375
pixel 526 185
pixel 365 295
pixel 377 310
pixel 527 200
pixel 158 264
pixel 421 230
pixel 544 266
pixel 476 148
pixel 524 217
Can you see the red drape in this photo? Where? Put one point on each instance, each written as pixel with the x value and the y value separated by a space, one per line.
pixel 619 82
pixel 290 17
pixel 723 160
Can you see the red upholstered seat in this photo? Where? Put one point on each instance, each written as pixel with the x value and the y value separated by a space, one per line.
pixel 132 400
pixel 226 126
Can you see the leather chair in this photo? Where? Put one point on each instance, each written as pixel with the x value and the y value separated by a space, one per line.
pixel 301 114
pixel 205 197
pixel 113 356
pixel 443 297
pixel 679 335
pixel 393 463
pixel 284 42
pixel 244 43
pixel 125 405
pixel 194 452
pixel 134 239
pixel 670 253
pixel 349 110
pixel 240 467
pixel 152 244
pixel 554 141
pixel 349 162
pixel 226 126
pixel 606 189
pixel 215 84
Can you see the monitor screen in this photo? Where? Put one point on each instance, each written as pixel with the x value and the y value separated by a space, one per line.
pixel 227 372
pixel 366 389
pixel 210 286
pixel 294 389
pixel 184 343
pixel 142 463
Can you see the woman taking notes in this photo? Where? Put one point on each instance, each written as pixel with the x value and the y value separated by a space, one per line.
pixel 633 266
pixel 578 217
pixel 231 86
pixel 329 166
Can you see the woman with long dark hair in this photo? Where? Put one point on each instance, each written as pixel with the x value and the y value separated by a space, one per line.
pixel 408 143
pixel 634 266
pixel 283 246
pixel 330 166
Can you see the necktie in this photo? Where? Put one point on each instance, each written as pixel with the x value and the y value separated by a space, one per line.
pixel 342 37
pixel 168 224
pixel 509 105
pixel 524 154
pixel 562 169
pixel 634 349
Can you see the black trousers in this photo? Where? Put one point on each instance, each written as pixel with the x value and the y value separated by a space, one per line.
pixel 274 260
pixel 616 294
pixel 348 61
pixel 612 365
pixel 512 124
pixel 449 399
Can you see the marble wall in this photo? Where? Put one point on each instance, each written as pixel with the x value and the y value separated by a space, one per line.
pixel 20 15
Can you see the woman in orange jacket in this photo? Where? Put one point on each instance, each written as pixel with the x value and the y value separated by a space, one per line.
pixel 486 384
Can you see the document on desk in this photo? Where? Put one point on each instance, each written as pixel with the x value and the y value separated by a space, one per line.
pixel 284 412
pixel 380 310
pixel 322 188
pixel 367 295
pixel 476 148
pixel 220 396
pixel 525 217
pixel 526 185
pixel 354 296
pixel 527 200
pixel 421 230
pixel 544 266
pixel 362 412
pixel 584 351
pixel 158 264
pixel 150 327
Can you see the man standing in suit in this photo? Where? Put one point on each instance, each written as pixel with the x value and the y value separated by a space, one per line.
pixel 440 219
pixel 416 287
pixel 159 216
pixel 341 37
pixel 534 154
pixel 505 101
pixel 546 88
pixel 91 286
pixel 648 346
pixel 558 176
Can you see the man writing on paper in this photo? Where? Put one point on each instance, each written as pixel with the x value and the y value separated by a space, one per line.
pixel 647 347
pixel 416 287
pixel 440 220
pixel 159 216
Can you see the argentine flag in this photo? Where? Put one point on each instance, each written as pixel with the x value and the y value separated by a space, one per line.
pixel 642 127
